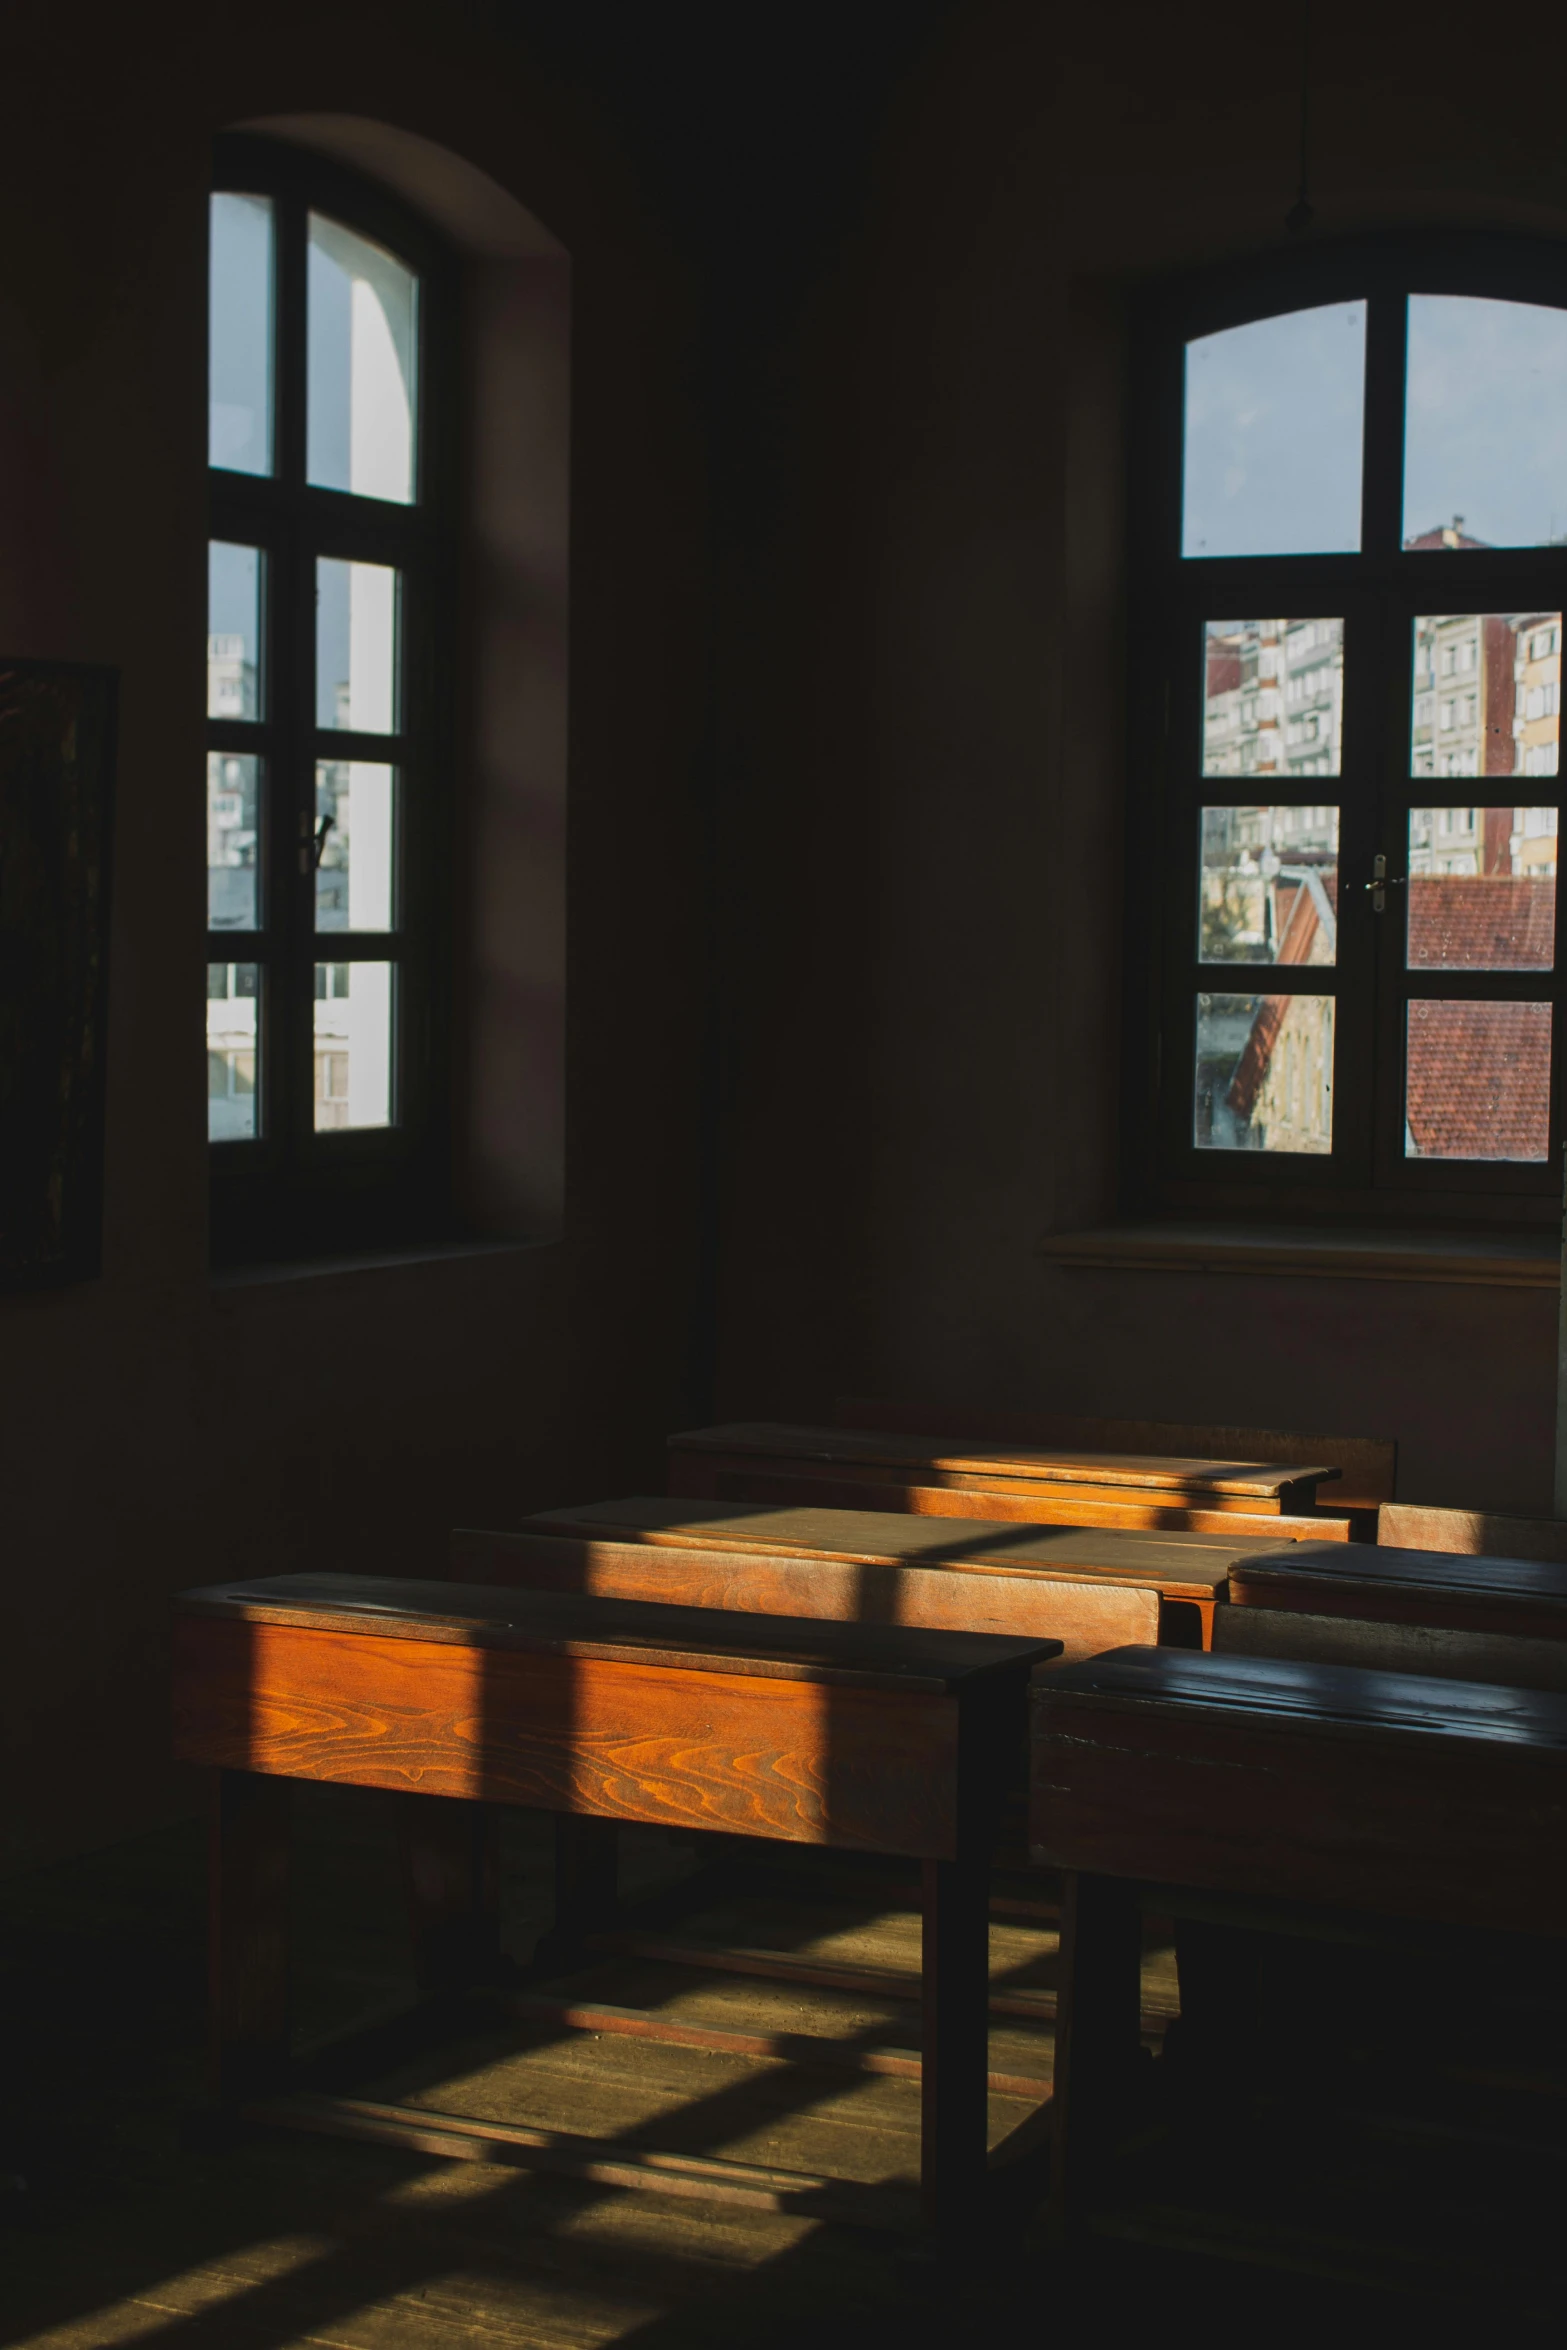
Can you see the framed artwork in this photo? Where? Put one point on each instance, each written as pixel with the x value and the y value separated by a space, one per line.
pixel 56 781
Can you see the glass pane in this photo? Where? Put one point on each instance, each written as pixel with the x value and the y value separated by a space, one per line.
pixel 356 646
pixel 233 841
pixel 1478 1083
pixel 1485 448
pixel 362 346
pixel 1269 889
pixel 1273 434
pixel 1264 1073
pixel 1487 693
pixel 233 630
pixel 1272 693
pixel 355 801
pixel 353 1045
pixel 1482 889
pixel 239 375
pixel 233 1039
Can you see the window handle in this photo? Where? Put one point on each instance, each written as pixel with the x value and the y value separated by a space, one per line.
pixel 313 846
pixel 1380 883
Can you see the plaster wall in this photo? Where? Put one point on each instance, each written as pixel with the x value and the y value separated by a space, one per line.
pixel 160 1430
pixel 927 1008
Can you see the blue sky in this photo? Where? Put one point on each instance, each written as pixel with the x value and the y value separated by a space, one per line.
pixel 1274 417
pixel 1487 419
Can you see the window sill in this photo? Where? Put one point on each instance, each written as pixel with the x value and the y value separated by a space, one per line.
pixel 388 1260
pixel 1502 1260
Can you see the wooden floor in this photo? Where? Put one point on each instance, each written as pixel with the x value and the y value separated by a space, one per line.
pixel 126 2232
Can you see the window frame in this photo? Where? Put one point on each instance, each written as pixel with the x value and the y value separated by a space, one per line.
pixel 1378 592
pixel 291 1191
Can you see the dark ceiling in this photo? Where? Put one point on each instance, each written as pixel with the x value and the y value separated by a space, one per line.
pixel 753 124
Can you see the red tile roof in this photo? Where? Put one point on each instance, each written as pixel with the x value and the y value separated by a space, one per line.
pixel 1479 1080
pixel 1257 1052
pixel 1460 922
pixel 1479 1074
pixel 1297 925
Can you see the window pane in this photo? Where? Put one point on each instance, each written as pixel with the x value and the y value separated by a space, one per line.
pixel 1482 889
pixel 1273 435
pixel 356 801
pixel 1485 454
pixel 1269 889
pixel 233 841
pixel 239 380
pixel 353 1045
pixel 1272 695
pixel 1487 693
pixel 233 1040
pixel 362 346
pixel 1478 1084
pixel 1264 1073
pixel 356 646
pixel 233 630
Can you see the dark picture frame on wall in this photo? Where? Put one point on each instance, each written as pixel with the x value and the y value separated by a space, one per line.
pixel 57 724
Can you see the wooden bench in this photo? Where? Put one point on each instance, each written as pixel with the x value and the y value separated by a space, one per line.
pixel 883 1470
pixel 1288 1797
pixel 876 1739
pixel 1189 1572
pixel 1500 1620
pixel 1413 1525
pixel 1368 1465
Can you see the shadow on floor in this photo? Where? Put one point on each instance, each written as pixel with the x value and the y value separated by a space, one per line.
pixel 126 2234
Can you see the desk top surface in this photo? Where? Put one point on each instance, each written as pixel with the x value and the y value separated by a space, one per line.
pixel 575 1624
pixel 1358 1567
pixel 885 1537
pixel 1330 1697
pixel 1067 1465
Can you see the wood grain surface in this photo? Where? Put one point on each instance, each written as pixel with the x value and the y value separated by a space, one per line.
pixel 895 1537
pixel 1381 1647
pixel 811 1762
pixel 1263 1486
pixel 1367 1465
pixel 787 1487
pixel 1410 1525
pixel 1461 1593
pixel 1394 1796
pixel 1083 1614
pixel 576 1624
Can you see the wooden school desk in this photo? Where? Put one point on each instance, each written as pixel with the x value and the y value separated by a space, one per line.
pixel 1415 1611
pixel 1301 1792
pixel 880 1739
pixel 1020 1602
pixel 935 1476
pixel 1416 1525
pixel 1189 1571
pixel 1368 1465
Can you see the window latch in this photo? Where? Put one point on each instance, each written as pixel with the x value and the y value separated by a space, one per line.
pixel 313 846
pixel 1380 883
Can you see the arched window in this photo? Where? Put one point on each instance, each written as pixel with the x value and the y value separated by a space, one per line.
pixel 328 708
pixel 1350 575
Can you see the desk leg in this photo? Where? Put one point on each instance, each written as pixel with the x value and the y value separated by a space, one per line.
pixel 955 2040
pixel 249 1935
pixel 1098 2018
pixel 451 1875
pixel 587 1880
